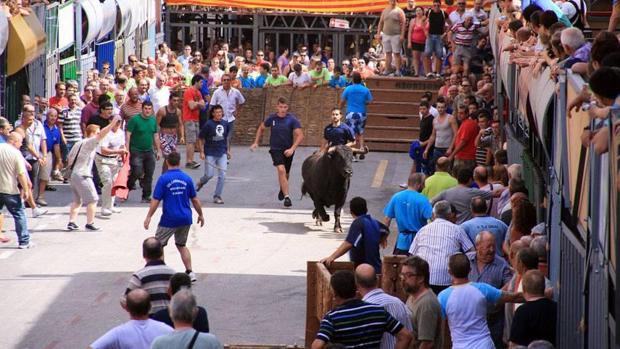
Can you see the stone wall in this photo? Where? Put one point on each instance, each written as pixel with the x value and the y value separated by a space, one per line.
pixel 312 106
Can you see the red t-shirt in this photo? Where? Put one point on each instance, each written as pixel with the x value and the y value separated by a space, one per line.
pixel 467 132
pixel 191 94
pixel 55 101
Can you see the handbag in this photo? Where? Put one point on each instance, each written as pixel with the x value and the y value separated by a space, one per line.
pixel 68 170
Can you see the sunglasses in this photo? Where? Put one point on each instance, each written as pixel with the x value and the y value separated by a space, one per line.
pixel 133 61
pixel 225 79
pixel 260 55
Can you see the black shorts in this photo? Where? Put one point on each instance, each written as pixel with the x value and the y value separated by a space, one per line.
pixel 417 47
pixel 278 158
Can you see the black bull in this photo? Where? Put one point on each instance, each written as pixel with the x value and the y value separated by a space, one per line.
pixel 326 178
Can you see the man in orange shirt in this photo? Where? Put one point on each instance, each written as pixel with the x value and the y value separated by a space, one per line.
pixel 464 153
pixel 192 103
pixel 59 101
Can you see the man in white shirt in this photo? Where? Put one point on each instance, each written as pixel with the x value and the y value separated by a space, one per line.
pixel 139 332
pixel 458 15
pixel 159 92
pixel 298 78
pixel 185 57
pixel 107 159
pixel 35 149
pixel 13 172
pixel 230 99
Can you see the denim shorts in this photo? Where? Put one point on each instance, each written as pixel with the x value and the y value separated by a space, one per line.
pixel 433 45
pixel 357 121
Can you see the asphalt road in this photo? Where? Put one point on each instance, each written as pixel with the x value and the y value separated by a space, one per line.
pixel 250 258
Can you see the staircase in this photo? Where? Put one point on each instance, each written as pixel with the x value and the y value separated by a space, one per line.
pixel 393 119
pixel 598 18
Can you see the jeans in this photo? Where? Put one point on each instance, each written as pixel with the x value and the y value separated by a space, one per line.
pixel 107 174
pixel 65 149
pixel 423 165
pixel 34 176
pixel 231 130
pixel 13 203
pixel 433 45
pixel 142 167
pixel 437 153
pixel 222 163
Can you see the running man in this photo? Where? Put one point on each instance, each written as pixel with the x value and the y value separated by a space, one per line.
pixel 216 151
pixel 356 96
pixel 286 136
pixel 176 190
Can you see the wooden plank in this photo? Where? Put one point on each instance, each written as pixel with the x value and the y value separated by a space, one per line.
pixel 390 280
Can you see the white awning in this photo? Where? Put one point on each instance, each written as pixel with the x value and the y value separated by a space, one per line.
pixel 109 18
pixel 92 15
pixel 4 31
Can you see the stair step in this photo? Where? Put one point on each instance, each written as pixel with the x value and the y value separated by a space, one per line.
pixel 393 133
pixel 395 95
pixel 404 108
pixel 403 83
pixel 387 147
pixel 393 120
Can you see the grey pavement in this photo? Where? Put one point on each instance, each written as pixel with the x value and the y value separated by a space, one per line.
pixel 250 258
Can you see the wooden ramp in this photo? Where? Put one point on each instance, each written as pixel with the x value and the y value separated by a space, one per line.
pixel 393 120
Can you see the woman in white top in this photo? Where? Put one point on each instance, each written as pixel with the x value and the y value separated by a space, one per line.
pixel 108 158
pixel 80 161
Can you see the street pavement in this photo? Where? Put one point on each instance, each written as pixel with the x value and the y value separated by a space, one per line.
pixel 250 257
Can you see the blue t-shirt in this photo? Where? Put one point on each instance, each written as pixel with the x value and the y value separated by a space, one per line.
pixel 2 140
pixel 259 82
pixel 214 134
pixel 341 81
pixel 53 136
pixel 465 306
pixel 357 96
pixel 338 135
pixel 175 189
pixel 246 82
pixel 365 234
pixel 281 130
pixel 493 225
pixel 204 91
pixel 412 211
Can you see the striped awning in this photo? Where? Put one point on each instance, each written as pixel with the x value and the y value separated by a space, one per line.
pixel 313 6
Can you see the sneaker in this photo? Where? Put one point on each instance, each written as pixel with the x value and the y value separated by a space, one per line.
pixel 287 202
pixel 116 210
pixel 72 226
pixel 398 73
pixel 192 165
pixel 105 212
pixel 41 202
pixel 92 227
pixel 26 246
pixel 362 156
pixel 280 195
pixel 192 276
pixel 146 200
pixel 199 185
pixel 403 185
pixel 218 200
pixel 50 188
pixel 430 76
pixel 37 212
pixel 355 159
pixel 437 76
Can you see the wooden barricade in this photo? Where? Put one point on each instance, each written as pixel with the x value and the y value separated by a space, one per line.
pixel 319 296
pixel 266 346
pixel 390 277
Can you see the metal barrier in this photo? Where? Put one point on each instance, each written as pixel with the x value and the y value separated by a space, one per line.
pixel 87 62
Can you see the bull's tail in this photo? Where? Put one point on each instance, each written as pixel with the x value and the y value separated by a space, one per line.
pixel 304 191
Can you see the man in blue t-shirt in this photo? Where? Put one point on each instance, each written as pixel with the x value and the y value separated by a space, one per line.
pixel 286 136
pixel 482 221
pixel 356 96
pixel 464 305
pixel 364 238
pixel 337 133
pixel 5 129
pixel 176 190
pixel 412 211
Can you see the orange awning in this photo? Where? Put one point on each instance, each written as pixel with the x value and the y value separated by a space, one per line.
pixel 314 6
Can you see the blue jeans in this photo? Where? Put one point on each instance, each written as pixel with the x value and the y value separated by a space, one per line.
pixel 13 203
pixel 211 162
pixel 231 131
pixel 433 45
pixel 437 153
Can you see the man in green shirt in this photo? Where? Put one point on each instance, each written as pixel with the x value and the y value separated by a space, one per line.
pixel 439 181
pixel 320 76
pixel 275 79
pixel 143 140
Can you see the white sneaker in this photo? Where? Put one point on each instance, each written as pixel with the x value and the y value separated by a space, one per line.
pixel 403 185
pixel 192 276
pixel 105 212
pixel 37 212
pixel 25 247
pixel 116 210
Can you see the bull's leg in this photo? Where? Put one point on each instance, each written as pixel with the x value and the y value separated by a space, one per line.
pixel 337 226
pixel 317 218
pixel 323 213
